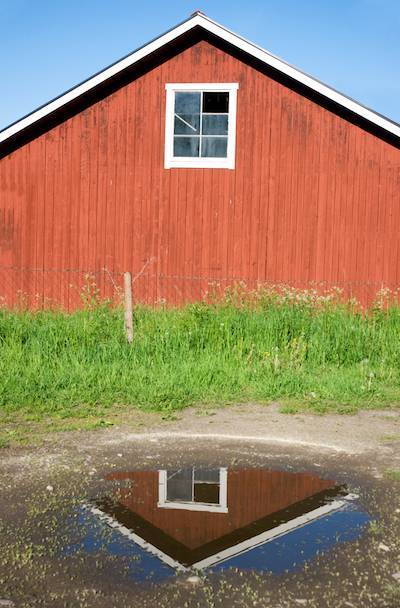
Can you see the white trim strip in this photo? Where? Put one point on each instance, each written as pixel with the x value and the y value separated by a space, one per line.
pixel 113 523
pixel 201 86
pixel 270 535
pixel 224 34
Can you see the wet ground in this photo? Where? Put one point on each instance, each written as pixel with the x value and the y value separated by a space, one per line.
pixel 118 519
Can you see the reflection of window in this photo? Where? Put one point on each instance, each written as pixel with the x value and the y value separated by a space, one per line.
pixel 194 489
pixel 200 125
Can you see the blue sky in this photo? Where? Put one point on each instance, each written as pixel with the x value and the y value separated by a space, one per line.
pixel 47 46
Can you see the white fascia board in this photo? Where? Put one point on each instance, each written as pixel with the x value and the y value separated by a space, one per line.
pixel 292 72
pixel 99 78
pixel 224 34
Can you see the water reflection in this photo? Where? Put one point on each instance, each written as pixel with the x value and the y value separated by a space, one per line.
pixel 213 519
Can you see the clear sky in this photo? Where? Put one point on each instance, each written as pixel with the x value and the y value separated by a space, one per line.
pixel 47 46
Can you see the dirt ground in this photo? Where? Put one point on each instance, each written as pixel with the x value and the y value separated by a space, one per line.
pixel 42 484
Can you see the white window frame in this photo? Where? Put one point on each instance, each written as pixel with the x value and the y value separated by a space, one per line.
pixel 222 507
pixel 171 161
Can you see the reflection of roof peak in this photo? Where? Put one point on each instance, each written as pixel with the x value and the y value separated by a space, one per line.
pixel 175 554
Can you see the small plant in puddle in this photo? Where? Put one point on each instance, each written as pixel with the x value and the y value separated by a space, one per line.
pixel 375 528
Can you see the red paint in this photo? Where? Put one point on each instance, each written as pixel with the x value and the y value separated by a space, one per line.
pixel 313 197
pixel 252 495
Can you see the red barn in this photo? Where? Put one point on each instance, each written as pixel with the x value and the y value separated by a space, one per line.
pixel 198 158
pixel 198 517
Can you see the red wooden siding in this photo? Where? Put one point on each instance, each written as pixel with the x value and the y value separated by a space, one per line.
pixel 313 197
pixel 252 495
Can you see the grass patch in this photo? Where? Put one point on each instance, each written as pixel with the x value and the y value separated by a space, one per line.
pixel 4 442
pixel 310 353
pixel 393 474
pixel 390 438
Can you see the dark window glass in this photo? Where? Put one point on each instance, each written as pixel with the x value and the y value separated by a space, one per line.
pixel 206 492
pixel 216 103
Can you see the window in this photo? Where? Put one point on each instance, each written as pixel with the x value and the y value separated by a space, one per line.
pixel 200 125
pixel 193 489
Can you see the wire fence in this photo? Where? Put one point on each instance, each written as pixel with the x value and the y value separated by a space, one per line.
pixel 69 289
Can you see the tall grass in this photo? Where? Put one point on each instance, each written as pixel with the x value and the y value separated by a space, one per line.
pixel 293 348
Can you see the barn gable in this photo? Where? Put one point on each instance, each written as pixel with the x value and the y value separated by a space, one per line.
pixel 197 27
pixel 313 197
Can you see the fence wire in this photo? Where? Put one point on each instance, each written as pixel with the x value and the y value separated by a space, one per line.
pixel 72 288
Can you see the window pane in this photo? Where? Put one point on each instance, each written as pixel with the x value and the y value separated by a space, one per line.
pixel 216 102
pixel 186 146
pixel 187 103
pixel 211 475
pixel 179 485
pixel 215 124
pixel 206 492
pixel 187 124
pixel 214 147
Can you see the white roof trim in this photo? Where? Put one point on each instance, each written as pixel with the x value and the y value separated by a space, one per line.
pixel 113 523
pixel 269 535
pixel 201 20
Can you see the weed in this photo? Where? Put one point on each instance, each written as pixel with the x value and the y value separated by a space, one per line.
pixel 4 442
pixel 375 528
pixel 390 438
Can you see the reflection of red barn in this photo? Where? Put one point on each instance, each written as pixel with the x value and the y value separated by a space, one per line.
pixel 257 501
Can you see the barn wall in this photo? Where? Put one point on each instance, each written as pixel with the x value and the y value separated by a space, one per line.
pixel 252 495
pixel 312 198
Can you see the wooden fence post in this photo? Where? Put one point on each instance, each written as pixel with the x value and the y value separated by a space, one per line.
pixel 128 306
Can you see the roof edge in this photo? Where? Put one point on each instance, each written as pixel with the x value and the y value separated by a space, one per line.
pixel 198 19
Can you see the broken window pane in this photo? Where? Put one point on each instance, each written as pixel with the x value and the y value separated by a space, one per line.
pixel 216 102
pixel 179 485
pixel 187 124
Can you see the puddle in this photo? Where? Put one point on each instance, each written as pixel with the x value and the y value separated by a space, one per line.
pixel 165 521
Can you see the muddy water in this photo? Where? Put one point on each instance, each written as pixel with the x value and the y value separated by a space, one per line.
pixel 200 526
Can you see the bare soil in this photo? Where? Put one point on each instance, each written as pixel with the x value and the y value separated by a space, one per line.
pixel 40 485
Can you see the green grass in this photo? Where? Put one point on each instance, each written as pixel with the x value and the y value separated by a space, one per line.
pixel 393 474
pixel 300 350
